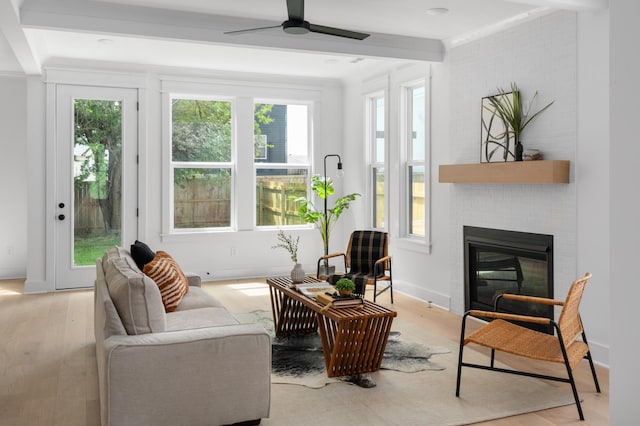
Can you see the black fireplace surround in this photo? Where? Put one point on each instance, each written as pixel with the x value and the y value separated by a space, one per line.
pixel 499 261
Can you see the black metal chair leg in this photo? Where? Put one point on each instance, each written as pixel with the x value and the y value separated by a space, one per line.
pixel 569 372
pixel 390 282
pixel 460 355
pixel 575 390
pixel 593 371
pixel 590 359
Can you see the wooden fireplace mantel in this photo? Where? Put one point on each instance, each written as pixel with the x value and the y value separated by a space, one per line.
pixel 528 172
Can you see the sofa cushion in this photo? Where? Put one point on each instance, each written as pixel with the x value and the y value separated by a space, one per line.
pixel 135 296
pixel 170 279
pixel 198 298
pixel 141 254
pixel 112 324
pixel 116 253
pixel 199 318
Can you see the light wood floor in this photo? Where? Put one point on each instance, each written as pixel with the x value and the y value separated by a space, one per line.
pixel 48 364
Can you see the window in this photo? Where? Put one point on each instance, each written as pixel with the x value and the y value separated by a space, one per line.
pixel 376 135
pixel 281 132
pixel 201 163
pixel 261 143
pixel 416 165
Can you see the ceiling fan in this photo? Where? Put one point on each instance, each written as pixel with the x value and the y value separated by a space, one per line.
pixel 297 25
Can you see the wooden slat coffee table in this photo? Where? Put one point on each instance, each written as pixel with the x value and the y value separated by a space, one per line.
pixel 353 338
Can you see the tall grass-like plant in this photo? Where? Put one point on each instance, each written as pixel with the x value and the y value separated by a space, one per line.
pixel 508 106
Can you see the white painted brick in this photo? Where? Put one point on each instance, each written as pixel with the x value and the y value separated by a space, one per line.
pixel 538 55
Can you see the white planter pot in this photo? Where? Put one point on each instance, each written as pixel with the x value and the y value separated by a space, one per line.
pixel 297 273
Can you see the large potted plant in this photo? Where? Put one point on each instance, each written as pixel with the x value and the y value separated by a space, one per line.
pixel 508 106
pixel 307 211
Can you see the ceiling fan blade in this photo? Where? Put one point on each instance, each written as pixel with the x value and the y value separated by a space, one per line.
pixel 337 32
pixel 251 30
pixel 295 8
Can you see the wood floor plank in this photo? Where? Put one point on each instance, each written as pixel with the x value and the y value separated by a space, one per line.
pixel 48 373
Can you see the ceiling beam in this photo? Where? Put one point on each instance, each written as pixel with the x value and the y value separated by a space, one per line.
pixel 12 31
pixel 126 20
pixel 568 4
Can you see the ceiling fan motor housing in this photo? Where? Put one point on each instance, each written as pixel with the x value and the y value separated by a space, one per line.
pixel 296 26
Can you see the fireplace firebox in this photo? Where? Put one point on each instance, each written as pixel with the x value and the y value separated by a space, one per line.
pixel 499 261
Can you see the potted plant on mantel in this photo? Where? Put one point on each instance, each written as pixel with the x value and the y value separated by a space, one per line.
pixel 515 117
pixel 289 244
pixel 310 214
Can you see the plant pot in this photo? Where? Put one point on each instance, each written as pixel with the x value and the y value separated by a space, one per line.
pixel 323 270
pixel 297 273
pixel 345 292
pixel 518 151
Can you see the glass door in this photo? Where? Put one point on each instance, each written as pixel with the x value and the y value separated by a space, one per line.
pixel 96 179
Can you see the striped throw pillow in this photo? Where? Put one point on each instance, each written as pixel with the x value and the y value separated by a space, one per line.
pixel 170 279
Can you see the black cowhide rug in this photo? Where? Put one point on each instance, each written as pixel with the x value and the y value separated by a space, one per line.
pixel 299 359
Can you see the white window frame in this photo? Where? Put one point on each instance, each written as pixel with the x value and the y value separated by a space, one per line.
pixel 287 166
pixel 371 145
pixel 262 153
pixel 168 125
pixel 408 161
pixel 243 96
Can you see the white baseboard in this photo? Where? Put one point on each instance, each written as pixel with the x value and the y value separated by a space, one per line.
pixel 438 299
pixel 12 273
pixel 33 287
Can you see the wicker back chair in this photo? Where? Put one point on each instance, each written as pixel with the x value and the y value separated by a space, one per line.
pixel 564 347
pixel 366 262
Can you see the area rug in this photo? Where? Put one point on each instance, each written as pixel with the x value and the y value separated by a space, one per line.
pixel 299 360
pixel 421 398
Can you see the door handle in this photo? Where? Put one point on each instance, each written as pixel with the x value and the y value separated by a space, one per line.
pixel 61 217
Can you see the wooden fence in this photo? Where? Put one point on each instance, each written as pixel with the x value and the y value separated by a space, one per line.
pixel 275 200
pixel 88 217
pixel 200 203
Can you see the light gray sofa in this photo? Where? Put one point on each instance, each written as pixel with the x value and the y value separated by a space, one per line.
pixel 194 366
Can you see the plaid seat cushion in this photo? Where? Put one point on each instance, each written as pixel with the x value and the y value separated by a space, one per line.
pixel 367 247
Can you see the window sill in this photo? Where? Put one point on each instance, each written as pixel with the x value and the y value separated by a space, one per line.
pixel 413 244
pixel 192 235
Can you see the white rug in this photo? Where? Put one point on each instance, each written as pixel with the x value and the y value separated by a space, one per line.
pixel 420 398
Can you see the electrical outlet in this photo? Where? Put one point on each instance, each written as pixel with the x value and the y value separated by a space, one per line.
pixel 233 251
pixel 9 250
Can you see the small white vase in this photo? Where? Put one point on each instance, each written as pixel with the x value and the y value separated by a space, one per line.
pixel 297 273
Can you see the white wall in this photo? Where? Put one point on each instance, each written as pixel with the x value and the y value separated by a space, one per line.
pixel 216 255
pixel 561 56
pixel 246 253
pixel 592 172
pixel 13 176
pixel 415 271
pixel 624 151
pixel 538 55
pixel 554 54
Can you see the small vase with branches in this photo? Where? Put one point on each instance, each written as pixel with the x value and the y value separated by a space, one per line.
pixel 290 244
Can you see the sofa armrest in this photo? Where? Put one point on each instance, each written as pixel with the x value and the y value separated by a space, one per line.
pixel 213 375
pixel 194 279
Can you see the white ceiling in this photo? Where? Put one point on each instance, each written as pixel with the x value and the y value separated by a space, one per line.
pixel 190 33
